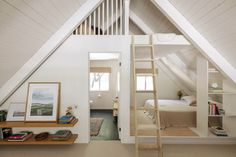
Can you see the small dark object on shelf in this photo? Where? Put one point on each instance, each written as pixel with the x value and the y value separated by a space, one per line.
pixel 42 136
pixel 5 133
pixel 3 115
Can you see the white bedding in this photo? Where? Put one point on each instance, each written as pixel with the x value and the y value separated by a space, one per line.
pixel 172 112
pixel 168 105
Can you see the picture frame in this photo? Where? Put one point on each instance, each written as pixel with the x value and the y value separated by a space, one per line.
pixel 16 111
pixel 43 100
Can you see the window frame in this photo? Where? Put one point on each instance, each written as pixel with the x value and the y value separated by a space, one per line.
pixel 99 82
pixel 145 82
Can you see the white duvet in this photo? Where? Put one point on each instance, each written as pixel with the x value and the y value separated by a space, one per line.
pixel 179 106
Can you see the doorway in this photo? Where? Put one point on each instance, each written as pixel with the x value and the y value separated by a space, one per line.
pixel 104 88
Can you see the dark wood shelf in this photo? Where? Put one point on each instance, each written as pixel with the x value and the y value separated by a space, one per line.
pixel 34 124
pixel 48 141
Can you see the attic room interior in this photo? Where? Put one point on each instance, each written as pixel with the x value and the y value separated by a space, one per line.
pixel 122 77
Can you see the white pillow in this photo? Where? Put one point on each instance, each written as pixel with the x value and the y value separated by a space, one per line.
pixel 190 99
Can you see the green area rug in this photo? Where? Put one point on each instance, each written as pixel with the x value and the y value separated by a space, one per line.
pixel 109 130
pixel 95 126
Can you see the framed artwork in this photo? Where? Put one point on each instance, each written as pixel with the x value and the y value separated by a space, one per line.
pixel 16 112
pixel 43 101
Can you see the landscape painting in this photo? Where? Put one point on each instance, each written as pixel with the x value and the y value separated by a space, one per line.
pixel 42 102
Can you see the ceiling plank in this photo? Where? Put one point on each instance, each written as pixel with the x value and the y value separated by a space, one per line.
pixel 196 38
pixel 47 50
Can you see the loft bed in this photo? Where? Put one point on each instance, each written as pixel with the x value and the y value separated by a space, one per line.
pixel 173 113
pixel 176 116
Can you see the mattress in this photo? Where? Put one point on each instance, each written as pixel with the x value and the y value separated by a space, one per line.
pixel 173 113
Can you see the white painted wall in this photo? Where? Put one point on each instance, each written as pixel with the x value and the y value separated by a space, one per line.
pixel 167 89
pixel 229 107
pixel 202 96
pixel 104 101
pixel 69 65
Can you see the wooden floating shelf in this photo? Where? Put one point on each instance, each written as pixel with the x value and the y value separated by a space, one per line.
pixel 34 124
pixel 32 141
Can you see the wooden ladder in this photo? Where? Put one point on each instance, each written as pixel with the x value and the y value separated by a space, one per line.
pixel 146 130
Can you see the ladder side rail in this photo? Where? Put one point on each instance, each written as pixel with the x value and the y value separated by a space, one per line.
pixel 155 95
pixel 134 98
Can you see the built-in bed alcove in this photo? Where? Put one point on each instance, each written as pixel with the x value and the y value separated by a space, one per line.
pixel 185 118
pixel 177 116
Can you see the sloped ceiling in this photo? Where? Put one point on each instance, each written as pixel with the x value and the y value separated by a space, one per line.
pixel 215 20
pixel 25 25
pixel 157 22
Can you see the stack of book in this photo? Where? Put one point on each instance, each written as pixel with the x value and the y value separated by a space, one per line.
pixel 213 109
pixel 62 135
pixel 218 131
pixel 21 136
pixel 66 119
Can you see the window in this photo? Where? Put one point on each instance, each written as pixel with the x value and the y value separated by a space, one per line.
pixel 144 83
pixel 99 81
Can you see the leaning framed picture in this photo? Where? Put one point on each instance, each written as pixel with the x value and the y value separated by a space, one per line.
pixel 16 111
pixel 43 99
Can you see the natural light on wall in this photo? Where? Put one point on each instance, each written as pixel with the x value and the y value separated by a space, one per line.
pixel 144 83
pixel 99 81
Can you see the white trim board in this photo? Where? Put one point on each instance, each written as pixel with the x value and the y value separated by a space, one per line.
pixel 196 38
pixel 47 49
pixel 191 140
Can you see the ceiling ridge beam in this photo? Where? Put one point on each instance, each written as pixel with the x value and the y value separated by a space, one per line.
pixel 140 23
pixel 47 49
pixel 196 38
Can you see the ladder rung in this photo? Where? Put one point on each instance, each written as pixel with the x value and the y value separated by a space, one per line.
pixel 140 108
pixel 148 146
pixel 142 45
pixel 147 127
pixel 146 75
pixel 143 108
pixel 146 60
pixel 150 91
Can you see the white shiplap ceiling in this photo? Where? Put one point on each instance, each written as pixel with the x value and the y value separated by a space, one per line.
pixel 25 25
pixel 157 22
pixel 215 20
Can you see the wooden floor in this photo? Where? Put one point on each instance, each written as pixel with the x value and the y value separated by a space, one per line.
pixel 116 149
pixel 169 131
pixel 172 131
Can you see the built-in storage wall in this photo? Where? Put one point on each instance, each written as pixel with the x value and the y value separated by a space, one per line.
pixel 223 95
